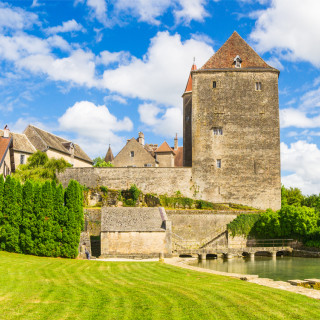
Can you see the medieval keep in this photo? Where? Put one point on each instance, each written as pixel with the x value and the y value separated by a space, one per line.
pixel 231 137
pixel 231 127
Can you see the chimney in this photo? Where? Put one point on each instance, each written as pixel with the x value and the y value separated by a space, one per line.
pixel 176 142
pixel 6 131
pixel 141 138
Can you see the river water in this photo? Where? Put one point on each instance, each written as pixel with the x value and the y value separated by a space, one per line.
pixel 280 268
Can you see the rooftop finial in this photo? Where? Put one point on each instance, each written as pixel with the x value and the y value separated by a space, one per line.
pixel 194 60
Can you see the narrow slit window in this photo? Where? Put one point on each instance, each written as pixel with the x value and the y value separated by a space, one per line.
pixel 131 154
pixel 218 163
pixel 214 84
pixel 217 131
pixel 258 86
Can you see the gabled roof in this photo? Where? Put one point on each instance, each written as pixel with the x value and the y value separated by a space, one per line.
pixel 178 159
pixel 20 142
pixel 189 83
pixel 5 144
pixel 164 148
pixel 43 140
pixel 109 156
pixel 235 46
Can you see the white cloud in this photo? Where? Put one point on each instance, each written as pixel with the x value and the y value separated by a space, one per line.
pixel 190 10
pixel 78 68
pixel 35 4
pixel 164 122
pixel 302 160
pixel 22 123
pixel 161 75
pixel 16 18
pixel 95 127
pixel 99 10
pixel 114 97
pixel 291 117
pixel 275 63
pixel 67 26
pixel 289 28
pixel 106 57
pixel 58 42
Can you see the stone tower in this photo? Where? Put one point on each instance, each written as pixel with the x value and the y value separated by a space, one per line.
pixel 233 121
pixel 187 120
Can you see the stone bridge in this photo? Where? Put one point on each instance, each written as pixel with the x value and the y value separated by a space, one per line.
pixel 220 246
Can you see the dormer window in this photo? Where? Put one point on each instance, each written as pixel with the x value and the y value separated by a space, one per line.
pixel 237 61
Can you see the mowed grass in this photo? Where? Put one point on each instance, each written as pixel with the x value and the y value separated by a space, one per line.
pixel 47 288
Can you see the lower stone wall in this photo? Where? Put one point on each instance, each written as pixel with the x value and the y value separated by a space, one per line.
pixel 133 243
pixel 148 180
pixel 200 226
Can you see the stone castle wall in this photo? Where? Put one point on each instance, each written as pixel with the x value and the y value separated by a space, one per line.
pixel 149 180
pixel 200 226
pixel 249 148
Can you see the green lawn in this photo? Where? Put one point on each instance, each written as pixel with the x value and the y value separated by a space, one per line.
pixel 47 288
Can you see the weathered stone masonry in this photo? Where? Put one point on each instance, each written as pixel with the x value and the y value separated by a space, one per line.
pixel 149 180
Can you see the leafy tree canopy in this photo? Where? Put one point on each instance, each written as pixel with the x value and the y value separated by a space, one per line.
pixel 100 163
pixel 39 167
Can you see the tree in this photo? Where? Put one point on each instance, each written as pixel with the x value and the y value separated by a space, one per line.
pixel 40 167
pixel 100 163
pixel 291 197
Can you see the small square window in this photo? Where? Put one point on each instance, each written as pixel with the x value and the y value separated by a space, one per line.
pixel 214 84
pixel 217 131
pixel 148 165
pixel 258 86
pixel 131 154
pixel 218 163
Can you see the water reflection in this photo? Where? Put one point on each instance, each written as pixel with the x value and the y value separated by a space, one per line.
pixel 277 268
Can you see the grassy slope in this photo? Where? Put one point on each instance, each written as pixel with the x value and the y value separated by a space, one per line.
pixel 46 288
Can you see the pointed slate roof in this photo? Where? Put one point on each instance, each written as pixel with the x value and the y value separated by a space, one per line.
pixel 164 148
pixel 235 46
pixel 189 83
pixel 109 156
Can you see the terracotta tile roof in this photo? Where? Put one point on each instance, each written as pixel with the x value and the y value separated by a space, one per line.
pixel 20 142
pixel 109 156
pixel 178 159
pixel 164 148
pixel 4 147
pixel 235 46
pixel 189 83
pixel 42 140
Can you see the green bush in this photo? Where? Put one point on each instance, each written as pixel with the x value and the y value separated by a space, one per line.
pixel 243 224
pixel 38 219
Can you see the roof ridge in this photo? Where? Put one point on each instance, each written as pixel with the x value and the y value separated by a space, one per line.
pixel 233 47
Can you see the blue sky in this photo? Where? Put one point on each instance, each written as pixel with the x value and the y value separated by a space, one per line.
pixel 97 71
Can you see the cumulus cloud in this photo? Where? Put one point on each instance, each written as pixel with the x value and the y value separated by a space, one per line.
pixel 16 18
pixel 78 68
pixel 149 11
pixel 161 75
pixel 95 127
pixel 98 9
pixel 164 122
pixel 302 160
pixel 291 117
pixel 67 26
pixel 106 57
pixel 290 29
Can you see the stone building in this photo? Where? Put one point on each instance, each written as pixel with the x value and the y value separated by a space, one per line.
pixel 33 139
pixel 6 154
pixel 22 147
pixel 231 127
pixel 135 231
pixel 231 146
pixel 57 147
pixel 138 154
